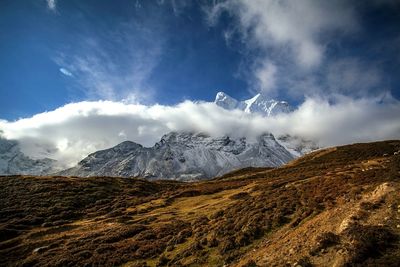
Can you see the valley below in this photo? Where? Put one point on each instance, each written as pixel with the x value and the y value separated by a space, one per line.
pixel 338 206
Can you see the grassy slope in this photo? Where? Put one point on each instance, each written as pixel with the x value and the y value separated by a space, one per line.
pixel 336 206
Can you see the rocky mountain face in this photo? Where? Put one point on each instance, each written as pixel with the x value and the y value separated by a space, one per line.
pixel 296 145
pixel 259 104
pixel 13 161
pixel 183 156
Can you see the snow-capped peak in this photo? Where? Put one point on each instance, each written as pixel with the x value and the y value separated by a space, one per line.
pixel 225 101
pixel 127 145
pixel 250 102
pixel 260 104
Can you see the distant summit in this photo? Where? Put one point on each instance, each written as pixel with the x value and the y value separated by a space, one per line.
pixel 262 105
pixel 259 104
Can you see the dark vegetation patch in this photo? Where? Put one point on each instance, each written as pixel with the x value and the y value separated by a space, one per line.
pixel 324 241
pixel 243 172
pixel 368 242
pixel 241 195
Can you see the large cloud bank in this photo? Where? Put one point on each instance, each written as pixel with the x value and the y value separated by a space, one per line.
pixel 71 132
pixel 300 46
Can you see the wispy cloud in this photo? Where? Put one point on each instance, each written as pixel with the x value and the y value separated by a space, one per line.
pixel 65 72
pixel 52 5
pixel 295 26
pixel 116 64
pixel 352 76
pixel 266 77
pixel 288 42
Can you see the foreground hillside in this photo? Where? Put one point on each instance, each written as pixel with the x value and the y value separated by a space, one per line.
pixel 334 207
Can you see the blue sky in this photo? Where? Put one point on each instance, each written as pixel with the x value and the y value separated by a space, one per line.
pixel 58 52
pixel 79 76
pixel 162 52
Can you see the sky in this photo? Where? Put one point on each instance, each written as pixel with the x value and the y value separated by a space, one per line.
pixel 78 76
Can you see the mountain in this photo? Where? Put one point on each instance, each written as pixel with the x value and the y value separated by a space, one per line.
pixel 296 145
pixel 13 161
pixel 179 156
pixel 262 105
pixel 259 104
pixel 333 207
pixel 183 156
pixel 194 156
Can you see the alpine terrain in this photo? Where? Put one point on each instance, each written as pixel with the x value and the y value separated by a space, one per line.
pixel 262 105
pixel 193 156
pixel 338 206
pixel 259 104
pixel 13 161
pixel 178 155
pixel 183 156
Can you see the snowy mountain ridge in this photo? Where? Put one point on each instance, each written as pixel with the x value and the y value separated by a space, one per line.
pixel 183 156
pixel 262 105
pixel 14 161
pixel 178 155
pixel 259 104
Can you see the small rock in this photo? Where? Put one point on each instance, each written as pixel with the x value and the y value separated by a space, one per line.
pixel 40 249
pixel 398 226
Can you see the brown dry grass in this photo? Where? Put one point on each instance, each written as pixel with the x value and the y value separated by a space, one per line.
pixel 325 208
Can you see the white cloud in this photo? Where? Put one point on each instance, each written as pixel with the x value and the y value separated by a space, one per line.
pixel 52 4
pixel 296 26
pixel 352 76
pixel 178 6
pixel 102 76
pixel 291 25
pixel 71 132
pixel 344 121
pixel 266 77
pixel 65 72
pixel 117 62
pixel 345 76
pixel 294 36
